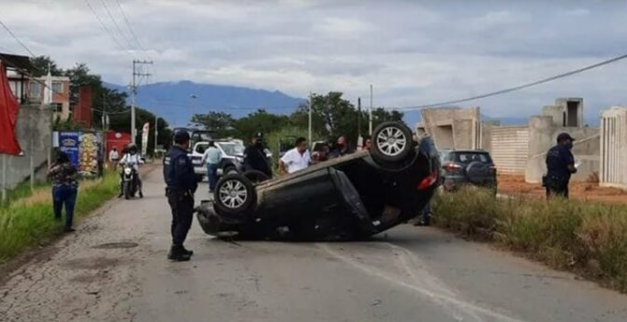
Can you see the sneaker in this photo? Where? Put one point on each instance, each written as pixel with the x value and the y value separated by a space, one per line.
pixel 69 230
pixel 120 195
pixel 141 194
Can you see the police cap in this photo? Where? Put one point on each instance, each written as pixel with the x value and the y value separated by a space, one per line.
pixel 181 136
pixel 564 136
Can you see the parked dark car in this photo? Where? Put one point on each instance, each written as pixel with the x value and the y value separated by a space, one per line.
pixel 351 197
pixel 467 167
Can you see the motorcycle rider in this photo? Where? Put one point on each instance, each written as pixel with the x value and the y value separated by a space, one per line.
pixel 132 157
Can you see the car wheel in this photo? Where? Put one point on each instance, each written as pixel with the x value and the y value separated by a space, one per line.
pixel 234 194
pixel 256 176
pixel 392 142
pixel 230 170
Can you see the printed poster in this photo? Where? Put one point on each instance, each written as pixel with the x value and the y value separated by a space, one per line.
pixel 69 143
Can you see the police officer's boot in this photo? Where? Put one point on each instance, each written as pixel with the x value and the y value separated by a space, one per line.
pixel 178 254
pixel 187 252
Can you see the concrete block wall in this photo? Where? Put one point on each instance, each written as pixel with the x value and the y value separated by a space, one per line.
pixel 35 137
pixel 509 148
pixel 543 135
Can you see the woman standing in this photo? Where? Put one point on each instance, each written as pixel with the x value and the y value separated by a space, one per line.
pixel 64 188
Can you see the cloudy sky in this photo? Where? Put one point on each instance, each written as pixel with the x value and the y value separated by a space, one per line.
pixel 413 52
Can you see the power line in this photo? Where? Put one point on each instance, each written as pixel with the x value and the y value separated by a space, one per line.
pixel 516 88
pixel 104 26
pixel 116 25
pixel 16 39
pixel 130 29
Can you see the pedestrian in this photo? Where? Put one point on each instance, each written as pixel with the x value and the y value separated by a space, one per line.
pixel 425 216
pixel 64 188
pixel 366 144
pixel 211 158
pixel 255 156
pixel 560 164
pixel 114 157
pixel 297 158
pixel 342 148
pixel 181 181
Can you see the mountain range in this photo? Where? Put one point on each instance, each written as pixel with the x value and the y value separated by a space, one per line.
pixel 178 101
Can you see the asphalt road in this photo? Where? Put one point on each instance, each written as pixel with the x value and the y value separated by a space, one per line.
pixel 410 274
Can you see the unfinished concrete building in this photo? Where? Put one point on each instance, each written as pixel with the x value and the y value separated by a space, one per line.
pixel 566 112
pixel 613 167
pixel 519 149
pixel 452 127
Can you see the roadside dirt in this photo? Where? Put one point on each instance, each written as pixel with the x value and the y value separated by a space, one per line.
pixel 586 191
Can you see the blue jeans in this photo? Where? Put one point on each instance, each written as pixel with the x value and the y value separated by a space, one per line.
pixel 426 214
pixel 212 174
pixel 64 195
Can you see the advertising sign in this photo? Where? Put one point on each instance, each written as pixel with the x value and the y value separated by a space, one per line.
pixel 88 154
pixel 145 138
pixel 69 143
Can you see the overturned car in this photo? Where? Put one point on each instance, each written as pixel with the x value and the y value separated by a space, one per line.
pixel 351 197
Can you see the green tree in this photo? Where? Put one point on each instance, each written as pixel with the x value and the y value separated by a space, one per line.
pixel 259 121
pixel 40 66
pixel 333 116
pixel 220 122
pixel 79 76
pixel 121 122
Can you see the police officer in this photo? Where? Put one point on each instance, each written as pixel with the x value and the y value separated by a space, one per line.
pixel 560 164
pixel 255 156
pixel 181 182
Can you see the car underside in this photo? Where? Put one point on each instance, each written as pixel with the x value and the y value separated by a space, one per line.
pixel 352 197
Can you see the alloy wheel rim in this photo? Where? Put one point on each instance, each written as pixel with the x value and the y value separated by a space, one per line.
pixel 233 194
pixel 391 141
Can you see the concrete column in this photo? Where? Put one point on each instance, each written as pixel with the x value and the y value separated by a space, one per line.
pixel 540 141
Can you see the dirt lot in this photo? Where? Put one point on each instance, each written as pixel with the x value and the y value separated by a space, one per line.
pixel 516 185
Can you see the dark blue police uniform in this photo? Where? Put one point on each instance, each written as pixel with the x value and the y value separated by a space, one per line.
pixel 558 174
pixel 181 181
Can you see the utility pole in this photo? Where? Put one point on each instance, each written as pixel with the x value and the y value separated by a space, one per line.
pixel 370 113
pixel 136 73
pixel 310 107
pixel 156 135
pixel 359 120
pixel 192 108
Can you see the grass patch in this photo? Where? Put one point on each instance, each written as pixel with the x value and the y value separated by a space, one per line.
pixel 587 238
pixel 28 221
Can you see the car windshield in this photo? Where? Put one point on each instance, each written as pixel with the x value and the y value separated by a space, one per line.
pixel 232 148
pixel 467 157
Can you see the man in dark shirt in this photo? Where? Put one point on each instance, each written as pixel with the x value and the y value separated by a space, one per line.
pixel 342 148
pixel 182 183
pixel 255 156
pixel 560 164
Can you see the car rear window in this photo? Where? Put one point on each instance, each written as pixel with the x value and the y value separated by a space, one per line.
pixel 467 157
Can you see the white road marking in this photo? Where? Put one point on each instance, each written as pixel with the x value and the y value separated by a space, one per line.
pixel 467 307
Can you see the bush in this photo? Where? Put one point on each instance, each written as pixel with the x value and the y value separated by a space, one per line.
pixel 587 238
pixel 29 221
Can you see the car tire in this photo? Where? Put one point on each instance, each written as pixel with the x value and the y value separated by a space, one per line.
pixel 234 194
pixel 256 176
pixel 230 170
pixel 392 142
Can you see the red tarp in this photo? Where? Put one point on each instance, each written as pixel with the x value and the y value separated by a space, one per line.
pixel 8 117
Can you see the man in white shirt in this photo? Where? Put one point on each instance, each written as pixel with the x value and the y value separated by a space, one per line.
pixel 297 158
pixel 132 157
pixel 114 157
